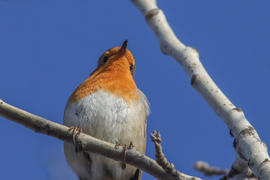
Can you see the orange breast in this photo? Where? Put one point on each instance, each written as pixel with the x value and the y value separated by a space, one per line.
pixel 114 77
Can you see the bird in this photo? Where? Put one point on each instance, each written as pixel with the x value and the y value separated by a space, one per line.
pixel 109 106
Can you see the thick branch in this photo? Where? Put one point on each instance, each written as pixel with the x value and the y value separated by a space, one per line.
pixel 251 151
pixel 84 142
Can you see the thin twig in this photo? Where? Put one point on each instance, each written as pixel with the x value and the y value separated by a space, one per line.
pixel 209 170
pixel 164 163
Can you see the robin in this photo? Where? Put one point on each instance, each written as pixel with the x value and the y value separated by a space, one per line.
pixel 109 106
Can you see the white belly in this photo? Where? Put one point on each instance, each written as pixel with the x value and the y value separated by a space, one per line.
pixel 111 119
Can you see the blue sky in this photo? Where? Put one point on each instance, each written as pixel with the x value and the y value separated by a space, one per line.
pixel 47 48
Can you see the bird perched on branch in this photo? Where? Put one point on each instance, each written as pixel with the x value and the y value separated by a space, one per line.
pixel 109 106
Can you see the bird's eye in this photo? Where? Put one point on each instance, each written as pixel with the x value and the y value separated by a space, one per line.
pixel 105 59
pixel 131 67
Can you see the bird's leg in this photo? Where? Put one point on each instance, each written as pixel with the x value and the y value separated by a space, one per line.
pixel 124 165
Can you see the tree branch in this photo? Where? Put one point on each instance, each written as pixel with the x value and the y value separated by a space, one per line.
pixel 208 170
pixel 251 152
pixel 162 160
pixel 84 142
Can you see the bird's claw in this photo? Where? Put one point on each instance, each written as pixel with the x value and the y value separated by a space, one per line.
pixel 117 144
pixel 131 145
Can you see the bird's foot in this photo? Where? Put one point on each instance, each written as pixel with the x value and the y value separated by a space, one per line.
pixel 123 165
pixel 117 145
pixel 75 132
pixel 126 148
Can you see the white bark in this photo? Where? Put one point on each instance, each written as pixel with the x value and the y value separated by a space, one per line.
pixel 251 152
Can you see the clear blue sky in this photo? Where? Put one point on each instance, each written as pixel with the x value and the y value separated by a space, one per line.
pixel 47 48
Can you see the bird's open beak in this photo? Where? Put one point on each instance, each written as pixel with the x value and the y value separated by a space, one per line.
pixel 123 47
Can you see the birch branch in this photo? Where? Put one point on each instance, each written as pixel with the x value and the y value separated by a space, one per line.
pixel 84 142
pixel 251 152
